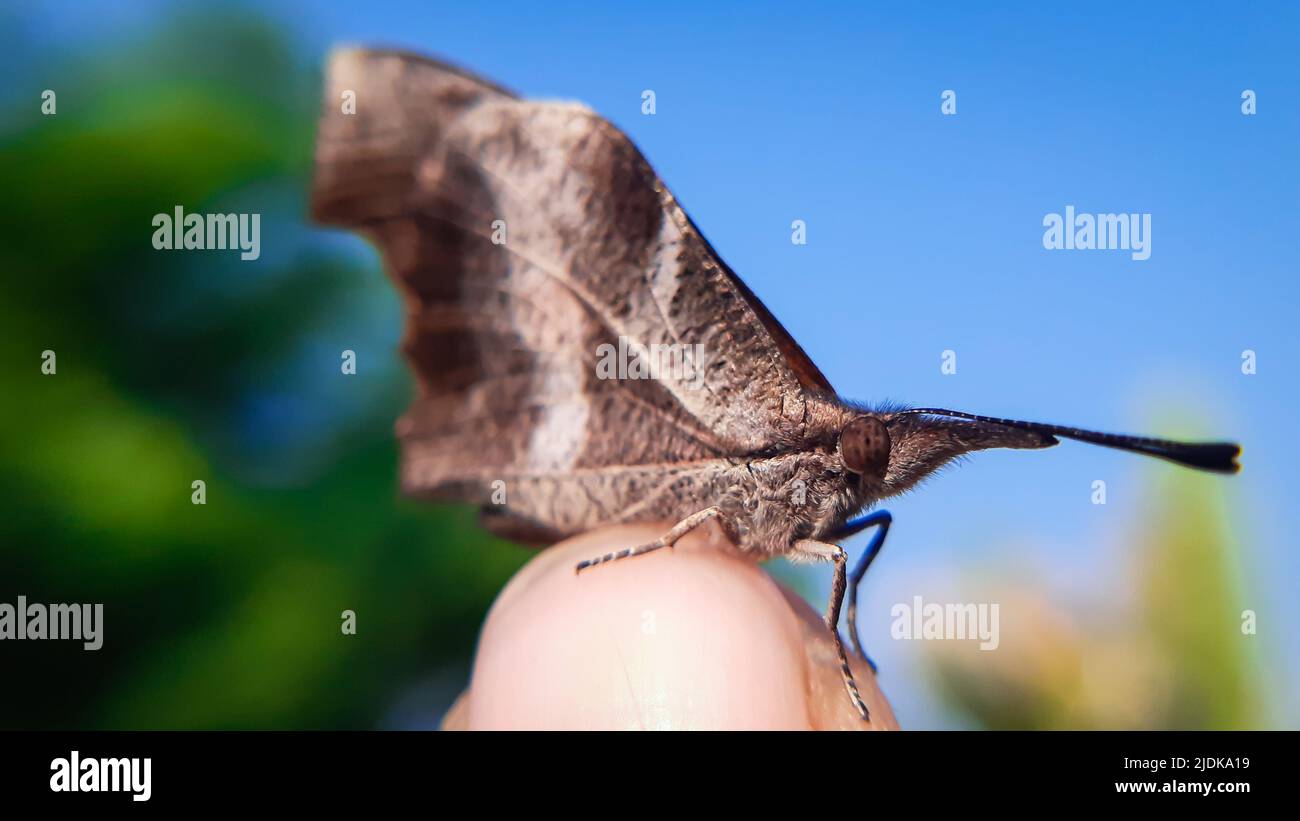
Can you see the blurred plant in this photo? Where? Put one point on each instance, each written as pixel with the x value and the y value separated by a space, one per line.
pixel 1173 656
pixel 173 367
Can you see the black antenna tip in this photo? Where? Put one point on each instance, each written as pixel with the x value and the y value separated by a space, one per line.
pixel 1220 457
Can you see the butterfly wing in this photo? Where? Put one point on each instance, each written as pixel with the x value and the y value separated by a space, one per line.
pixel 538 253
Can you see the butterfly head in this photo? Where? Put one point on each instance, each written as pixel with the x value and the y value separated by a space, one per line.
pixel 892 451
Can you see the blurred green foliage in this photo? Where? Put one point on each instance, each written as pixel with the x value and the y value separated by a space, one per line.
pixel 173 367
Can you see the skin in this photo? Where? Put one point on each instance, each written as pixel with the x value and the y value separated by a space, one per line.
pixel 691 637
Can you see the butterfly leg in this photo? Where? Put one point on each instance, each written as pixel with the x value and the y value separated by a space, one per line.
pixel 667 540
pixel 882 519
pixel 836 554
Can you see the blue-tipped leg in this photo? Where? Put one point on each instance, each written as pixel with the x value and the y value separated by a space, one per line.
pixel 878 518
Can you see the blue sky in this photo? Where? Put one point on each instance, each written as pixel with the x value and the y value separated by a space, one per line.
pixel 925 231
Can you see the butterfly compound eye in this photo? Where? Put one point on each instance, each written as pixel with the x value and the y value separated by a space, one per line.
pixel 864 446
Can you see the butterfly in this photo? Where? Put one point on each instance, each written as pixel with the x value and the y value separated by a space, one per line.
pixel 582 355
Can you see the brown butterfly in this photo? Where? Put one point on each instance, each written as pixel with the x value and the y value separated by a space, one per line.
pixel 582 352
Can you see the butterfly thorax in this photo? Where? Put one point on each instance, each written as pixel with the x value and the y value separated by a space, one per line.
pixel 781 499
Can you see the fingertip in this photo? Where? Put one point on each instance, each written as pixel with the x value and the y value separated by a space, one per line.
pixel 691 637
